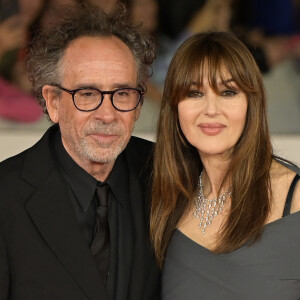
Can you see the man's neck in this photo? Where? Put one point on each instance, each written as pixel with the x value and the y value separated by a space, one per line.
pixel 98 170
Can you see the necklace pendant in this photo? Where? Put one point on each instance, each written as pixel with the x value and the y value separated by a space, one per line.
pixel 206 210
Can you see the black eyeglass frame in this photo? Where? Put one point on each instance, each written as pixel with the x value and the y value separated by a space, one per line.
pixel 102 93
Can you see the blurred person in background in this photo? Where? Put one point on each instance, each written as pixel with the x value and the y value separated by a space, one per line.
pixel 179 20
pixel 268 28
pixel 271 31
pixel 16 100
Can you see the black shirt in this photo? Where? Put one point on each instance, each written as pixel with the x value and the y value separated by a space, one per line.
pixel 81 186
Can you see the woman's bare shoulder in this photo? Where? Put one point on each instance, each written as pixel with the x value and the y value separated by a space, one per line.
pixel 281 180
pixel 280 172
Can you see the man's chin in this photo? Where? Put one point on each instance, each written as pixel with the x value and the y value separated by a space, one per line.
pixel 103 152
pixel 103 155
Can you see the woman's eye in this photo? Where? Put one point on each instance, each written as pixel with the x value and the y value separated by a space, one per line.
pixel 195 94
pixel 228 93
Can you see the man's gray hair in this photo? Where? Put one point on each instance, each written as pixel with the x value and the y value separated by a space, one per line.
pixel 47 47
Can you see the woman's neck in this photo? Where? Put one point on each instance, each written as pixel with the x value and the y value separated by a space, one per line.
pixel 214 171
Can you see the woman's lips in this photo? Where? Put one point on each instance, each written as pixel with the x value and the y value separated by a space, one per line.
pixel 211 128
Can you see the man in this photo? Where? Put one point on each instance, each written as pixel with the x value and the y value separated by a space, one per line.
pixel 73 215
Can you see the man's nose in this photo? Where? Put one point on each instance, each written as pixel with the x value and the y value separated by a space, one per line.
pixel 106 112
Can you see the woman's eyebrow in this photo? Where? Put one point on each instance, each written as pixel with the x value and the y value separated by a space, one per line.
pixel 196 84
pixel 226 81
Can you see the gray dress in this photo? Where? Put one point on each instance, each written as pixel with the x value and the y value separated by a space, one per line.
pixel 267 270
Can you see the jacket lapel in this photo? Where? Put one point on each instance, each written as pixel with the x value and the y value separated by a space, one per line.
pixel 53 216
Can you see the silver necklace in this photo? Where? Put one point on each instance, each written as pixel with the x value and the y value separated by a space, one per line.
pixel 207 209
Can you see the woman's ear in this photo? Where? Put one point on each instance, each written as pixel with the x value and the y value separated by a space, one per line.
pixel 52 102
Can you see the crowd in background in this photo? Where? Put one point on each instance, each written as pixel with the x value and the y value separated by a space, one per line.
pixel 270 29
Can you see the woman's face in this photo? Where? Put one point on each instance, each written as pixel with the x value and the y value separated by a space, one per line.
pixel 213 121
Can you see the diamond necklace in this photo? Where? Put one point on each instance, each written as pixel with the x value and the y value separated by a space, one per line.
pixel 207 209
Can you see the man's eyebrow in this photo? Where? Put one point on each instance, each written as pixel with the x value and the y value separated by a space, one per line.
pixel 98 86
pixel 83 86
pixel 124 84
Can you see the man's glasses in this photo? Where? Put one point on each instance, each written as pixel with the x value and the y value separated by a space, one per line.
pixel 89 99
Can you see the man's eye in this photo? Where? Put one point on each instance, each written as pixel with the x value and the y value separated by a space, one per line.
pixel 195 94
pixel 123 93
pixel 228 93
pixel 88 93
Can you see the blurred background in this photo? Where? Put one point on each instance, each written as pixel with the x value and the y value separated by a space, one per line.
pixel 269 28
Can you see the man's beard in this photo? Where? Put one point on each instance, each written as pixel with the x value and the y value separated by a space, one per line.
pixel 106 151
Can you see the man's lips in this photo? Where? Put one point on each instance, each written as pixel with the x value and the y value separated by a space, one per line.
pixel 104 137
pixel 211 128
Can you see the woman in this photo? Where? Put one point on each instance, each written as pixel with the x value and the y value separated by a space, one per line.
pixel 225 218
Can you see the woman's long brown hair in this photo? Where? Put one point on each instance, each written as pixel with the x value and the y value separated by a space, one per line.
pixel 177 164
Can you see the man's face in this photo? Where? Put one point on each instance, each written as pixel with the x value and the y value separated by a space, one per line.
pixel 101 135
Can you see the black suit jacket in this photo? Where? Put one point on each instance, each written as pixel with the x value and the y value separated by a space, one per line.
pixel 43 254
